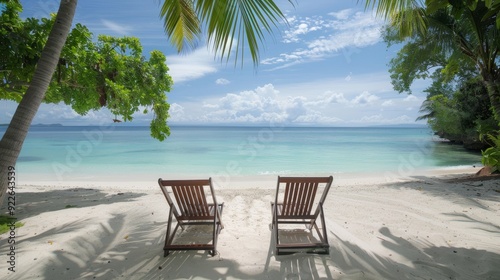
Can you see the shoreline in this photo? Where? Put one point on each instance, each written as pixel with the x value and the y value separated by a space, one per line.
pixel 417 227
pixel 149 181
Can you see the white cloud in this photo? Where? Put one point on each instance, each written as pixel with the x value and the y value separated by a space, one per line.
pixel 329 98
pixel 253 102
pixel 222 81
pixel 191 66
pixel 332 101
pixel 116 28
pixel 411 98
pixel 388 103
pixel 176 112
pixel 380 119
pixel 206 105
pixel 335 98
pixel 342 34
pixel 365 98
pixel 341 15
pixel 267 103
pixel 302 28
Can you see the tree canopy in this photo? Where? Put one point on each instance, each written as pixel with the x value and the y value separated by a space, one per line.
pixel 458 50
pixel 91 73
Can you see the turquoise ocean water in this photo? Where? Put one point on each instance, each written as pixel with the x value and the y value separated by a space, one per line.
pixel 90 152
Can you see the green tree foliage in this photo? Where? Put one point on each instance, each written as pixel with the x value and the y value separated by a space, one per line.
pixel 491 156
pixel 459 35
pixel 460 115
pixel 458 51
pixel 109 72
pixel 445 121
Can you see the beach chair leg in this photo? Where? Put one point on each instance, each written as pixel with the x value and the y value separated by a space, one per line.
pixel 166 253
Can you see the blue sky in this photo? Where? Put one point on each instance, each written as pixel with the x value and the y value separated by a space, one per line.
pixel 328 67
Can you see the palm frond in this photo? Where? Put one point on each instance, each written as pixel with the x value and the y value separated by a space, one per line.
pixel 240 21
pixel 228 22
pixel 406 15
pixel 180 22
pixel 386 8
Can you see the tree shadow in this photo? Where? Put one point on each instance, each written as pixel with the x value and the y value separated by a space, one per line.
pixel 472 192
pixel 29 204
pixel 352 258
pixel 138 257
pixel 408 260
pixel 126 242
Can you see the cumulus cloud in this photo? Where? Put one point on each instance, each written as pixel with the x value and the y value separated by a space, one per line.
pixel 388 103
pixel 249 103
pixel 411 98
pixel 176 112
pixel 267 104
pixel 341 15
pixel 191 66
pixel 335 98
pixel 328 98
pixel 222 81
pixel 364 98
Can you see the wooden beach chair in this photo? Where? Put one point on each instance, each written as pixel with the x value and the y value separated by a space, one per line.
pixel 190 207
pixel 294 205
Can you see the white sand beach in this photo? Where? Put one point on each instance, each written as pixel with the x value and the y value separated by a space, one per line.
pixel 427 226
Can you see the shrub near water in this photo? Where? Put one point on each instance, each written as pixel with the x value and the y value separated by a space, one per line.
pixel 491 156
pixel 4 223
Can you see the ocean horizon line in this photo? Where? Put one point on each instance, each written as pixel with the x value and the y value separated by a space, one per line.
pixel 260 125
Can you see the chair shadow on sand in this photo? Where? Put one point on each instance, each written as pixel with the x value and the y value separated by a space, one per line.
pixel 349 260
pixel 300 265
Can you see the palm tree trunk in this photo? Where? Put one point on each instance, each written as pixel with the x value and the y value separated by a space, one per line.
pixel 13 139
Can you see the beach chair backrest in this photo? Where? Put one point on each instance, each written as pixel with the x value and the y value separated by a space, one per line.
pixel 300 194
pixel 189 195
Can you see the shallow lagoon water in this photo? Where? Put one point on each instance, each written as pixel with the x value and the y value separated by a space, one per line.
pixel 93 151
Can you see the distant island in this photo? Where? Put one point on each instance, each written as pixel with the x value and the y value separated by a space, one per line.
pixel 39 125
pixel 48 125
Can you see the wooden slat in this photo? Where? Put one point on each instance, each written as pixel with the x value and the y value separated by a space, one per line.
pixel 167 183
pixel 202 202
pixel 191 200
pixel 304 179
pixel 286 199
pixel 302 245
pixel 311 194
pixel 293 202
pixel 299 197
pixel 301 200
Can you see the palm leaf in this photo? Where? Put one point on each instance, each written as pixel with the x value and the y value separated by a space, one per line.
pixel 181 23
pixel 406 15
pixel 240 22
pixel 229 23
